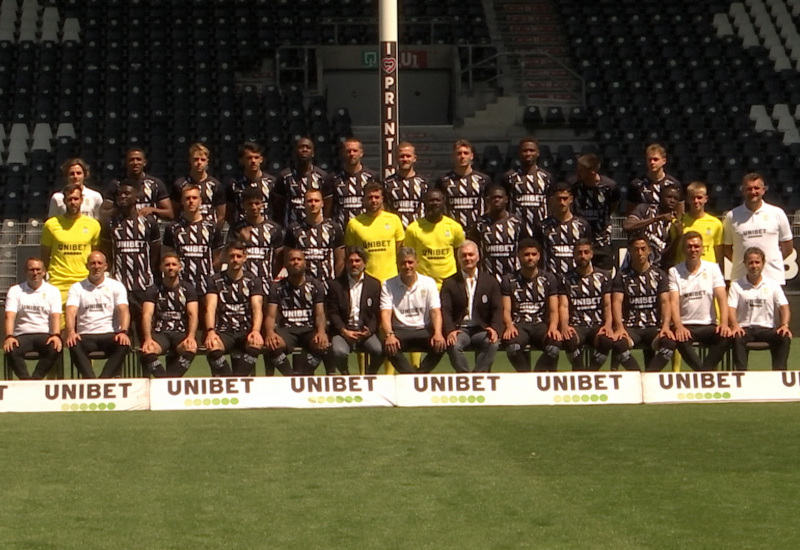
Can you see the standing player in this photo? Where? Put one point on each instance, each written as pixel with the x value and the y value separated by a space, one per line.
pixel 596 201
pixel 752 302
pixel 648 189
pixel 67 240
pixel 463 187
pixel 697 219
pixel 153 198
pixel 212 194
pixel 295 315
pixel 133 243
pixel 757 224
pixel 76 172
pixel 528 185
pixel 250 158
pixel 378 232
pixel 498 234
pixel 169 322
pixel 33 322
pixel 196 240
pixel 530 311
pixel 320 239
pixel 405 189
pixel 693 287
pixel 348 186
pixel 641 310
pixel 560 231
pixel 435 238
pixel 293 182
pixel 263 238
pixel 234 314
pixel 585 310
pixel 655 222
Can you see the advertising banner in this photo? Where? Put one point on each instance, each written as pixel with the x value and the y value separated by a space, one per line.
pixel 721 387
pixel 519 389
pixel 118 394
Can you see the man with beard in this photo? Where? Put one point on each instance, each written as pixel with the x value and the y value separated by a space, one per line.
pixel 404 190
pixel 648 190
pixel 655 223
pixel 348 186
pixel 530 311
pixel 295 316
pixel 498 234
pixel 560 231
pixel 263 238
pixel 596 199
pixel 169 322
pixel 234 313
pixel 67 240
pixel 212 194
pixel 352 305
pixel 585 310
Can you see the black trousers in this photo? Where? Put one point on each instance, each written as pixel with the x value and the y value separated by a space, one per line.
pixel 778 347
pixel 655 359
pixel 576 348
pixel 28 343
pixel 707 336
pixel 534 335
pixel 89 343
pixel 243 357
pixel 177 362
pixel 414 340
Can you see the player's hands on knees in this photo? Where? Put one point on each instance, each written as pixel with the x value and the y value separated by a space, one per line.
pixel 73 339
pixel 438 343
pixel 10 343
pixel 320 341
pixel 391 345
pixel 149 346
pixel 273 342
pixel 255 340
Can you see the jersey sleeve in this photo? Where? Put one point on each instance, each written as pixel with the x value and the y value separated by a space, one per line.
pixel 399 233
pixel 190 292
pixel 290 239
pixel 779 296
pixel 154 235
pixel 784 229
pixel 673 280
pixel 727 230
pixel 717 234
pixel 458 235
pixel 217 240
pixel 95 242
pixel 169 240
pixel 272 294
pixel 110 192
pixel 386 297
pixel 47 236
pixel 617 285
pixel 161 192
pixel 319 293
pixel 506 286
pixel 733 295
pixel 663 285
pixel 151 294
pixel 120 295
pixel 218 196
pixel 54 300
pixel 552 287
pixel 338 236
pixel 717 279
pixel 74 295
pixel 350 236
pixel 12 299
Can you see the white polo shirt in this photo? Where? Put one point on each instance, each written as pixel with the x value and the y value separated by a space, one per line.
pixel 696 292
pixel 756 305
pixel 33 307
pixel 411 306
pixel 765 228
pixel 97 305
pixel 92 201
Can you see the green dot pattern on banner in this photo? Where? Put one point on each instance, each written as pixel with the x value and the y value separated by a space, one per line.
pixel 208 402
pixel 88 406
pixel 325 399
pixel 585 398
pixel 447 399
pixel 708 396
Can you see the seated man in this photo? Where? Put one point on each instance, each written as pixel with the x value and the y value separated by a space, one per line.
pixel 585 309
pixel 234 312
pixel 472 311
pixel 352 305
pixel 33 322
pixel 752 301
pixel 169 322
pixel 98 319
pixel 640 310
pixel 411 315
pixel 530 311
pixel 295 315
pixel 693 286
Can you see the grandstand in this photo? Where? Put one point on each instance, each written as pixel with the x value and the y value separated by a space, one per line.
pixel 716 82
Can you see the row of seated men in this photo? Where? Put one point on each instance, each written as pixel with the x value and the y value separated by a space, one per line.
pixel 131 237
pixel 641 306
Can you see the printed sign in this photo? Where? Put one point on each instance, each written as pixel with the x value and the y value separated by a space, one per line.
pixel 118 394
pixel 721 387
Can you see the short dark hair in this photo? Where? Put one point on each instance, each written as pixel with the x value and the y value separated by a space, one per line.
pixel 250 147
pixel 70 188
pixel 529 242
pixel 583 241
pixel 691 235
pixel 373 186
pixel 236 244
pixel 637 236
pixel 560 187
pixel 252 193
pixel 754 250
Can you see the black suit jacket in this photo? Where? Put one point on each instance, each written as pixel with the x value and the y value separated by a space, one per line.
pixel 487 305
pixel 337 303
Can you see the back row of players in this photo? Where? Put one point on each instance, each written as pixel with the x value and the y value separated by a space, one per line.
pixel 316 207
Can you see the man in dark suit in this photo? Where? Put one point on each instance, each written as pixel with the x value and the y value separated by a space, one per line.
pixel 472 312
pixel 352 304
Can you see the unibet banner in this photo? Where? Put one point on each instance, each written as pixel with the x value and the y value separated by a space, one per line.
pixel 277 392
pixel 117 394
pixel 721 387
pixel 519 389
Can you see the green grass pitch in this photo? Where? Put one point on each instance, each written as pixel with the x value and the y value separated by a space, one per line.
pixel 669 476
